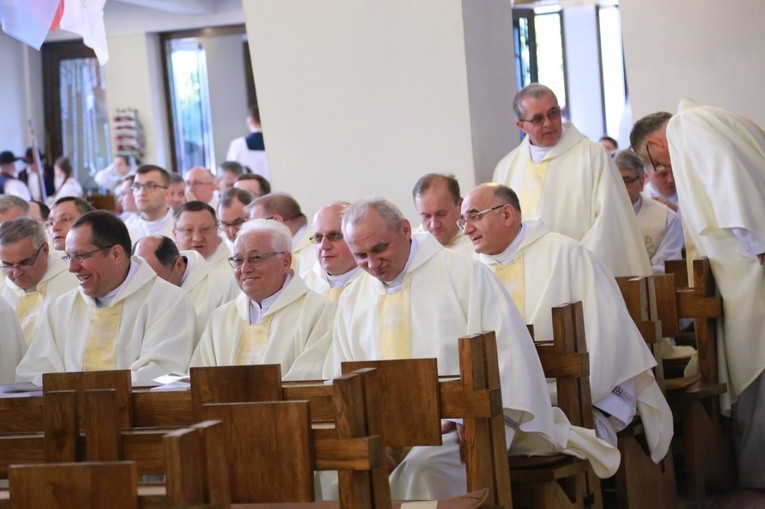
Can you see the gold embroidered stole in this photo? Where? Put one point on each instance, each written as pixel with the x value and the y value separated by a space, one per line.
pixel 333 294
pixel 531 187
pixel 28 311
pixel 395 325
pixel 511 277
pixel 253 342
pixel 101 339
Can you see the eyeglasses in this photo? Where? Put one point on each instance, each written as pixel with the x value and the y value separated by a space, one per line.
pixel 475 216
pixel 331 236
pixel 223 225
pixel 197 183
pixel 655 166
pixel 188 232
pixel 81 257
pixel 23 265
pixel 52 221
pixel 630 180
pixel 255 260
pixel 552 115
pixel 149 186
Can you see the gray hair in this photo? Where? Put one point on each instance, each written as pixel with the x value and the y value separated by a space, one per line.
pixel 359 210
pixel 281 236
pixel 645 127
pixel 535 90
pixel 8 202
pixel 627 160
pixel 16 230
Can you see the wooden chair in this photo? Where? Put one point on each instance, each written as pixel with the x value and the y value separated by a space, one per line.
pixel 68 485
pixel 707 444
pixel 561 481
pixel 641 483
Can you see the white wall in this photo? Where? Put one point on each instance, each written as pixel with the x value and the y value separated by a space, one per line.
pixel 707 50
pixel 360 97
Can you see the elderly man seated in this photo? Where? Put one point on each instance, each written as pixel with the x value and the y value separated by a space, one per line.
pixel 276 319
pixel 122 316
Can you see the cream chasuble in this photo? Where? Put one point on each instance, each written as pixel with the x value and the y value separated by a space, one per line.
pixel 330 287
pixel 13 344
pixel 252 343
pixel 28 311
pixel 101 338
pixel 531 189
pixel 512 279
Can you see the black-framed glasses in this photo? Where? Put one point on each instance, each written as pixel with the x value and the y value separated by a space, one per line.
pixel 53 221
pixel 81 257
pixel 149 186
pixel 653 163
pixel 23 265
pixel 552 115
pixel 255 260
pixel 475 215
pixel 223 225
pixel 332 236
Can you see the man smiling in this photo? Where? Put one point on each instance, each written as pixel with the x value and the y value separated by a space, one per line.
pixel 122 316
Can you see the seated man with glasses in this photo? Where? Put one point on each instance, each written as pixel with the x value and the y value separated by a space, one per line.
pixel 188 270
pixel 541 269
pixel 569 182
pixel 231 214
pixel 155 216
pixel 660 226
pixel 62 215
pixel 285 209
pixel 200 185
pixel 276 319
pixel 36 274
pixel 335 267
pixel 122 316
pixel 196 229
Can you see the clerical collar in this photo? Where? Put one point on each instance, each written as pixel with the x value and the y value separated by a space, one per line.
pixel 341 280
pixel 539 153
pixel 638 204
pixel 189 262
pixel 398 283
pixel 508 254
pixel 106 300
pixel 298 235
pixel 259 309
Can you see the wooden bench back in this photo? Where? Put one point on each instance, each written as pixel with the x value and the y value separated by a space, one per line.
pixel 118 380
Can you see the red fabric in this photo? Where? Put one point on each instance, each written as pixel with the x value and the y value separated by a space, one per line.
pixel 57 16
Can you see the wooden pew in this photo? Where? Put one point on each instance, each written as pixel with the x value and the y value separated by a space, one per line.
pixel 69 485
pixel 707 443
pixel 641 483
pixel 561 481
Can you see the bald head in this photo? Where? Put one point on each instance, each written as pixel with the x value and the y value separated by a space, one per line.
pixel 163 257
pixel 492 217
pixel 200 183
pixel 331 250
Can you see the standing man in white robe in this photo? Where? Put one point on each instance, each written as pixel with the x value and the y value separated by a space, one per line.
pixel 122 316
pixel 196 228
pixel 415 300
pixel 276 319
pixel 189 271
pixel 661 226
pixel 541 269
pixel 335 267
pixel 718 161
pixel 285 209
pixel 571 184
pixel 437 199
pixel 36 274
pixel 154 216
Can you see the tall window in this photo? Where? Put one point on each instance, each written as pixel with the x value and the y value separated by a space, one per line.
pixel 190 103
pixel 76 115
pixel 612 61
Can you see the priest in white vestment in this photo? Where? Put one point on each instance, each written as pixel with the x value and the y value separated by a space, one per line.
pixel 718 161
pixel 276 319
pixel 188 270
pixel 414 301
pixel 155 216
pixel 12 346
pixel 285 209
pixel 660 225
pixel 540 270
pixel 231 214
pixel 571 183
pixel 122 316
pixel 196 228
pixel 36 273
pixel 335 267
pixel 437 199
